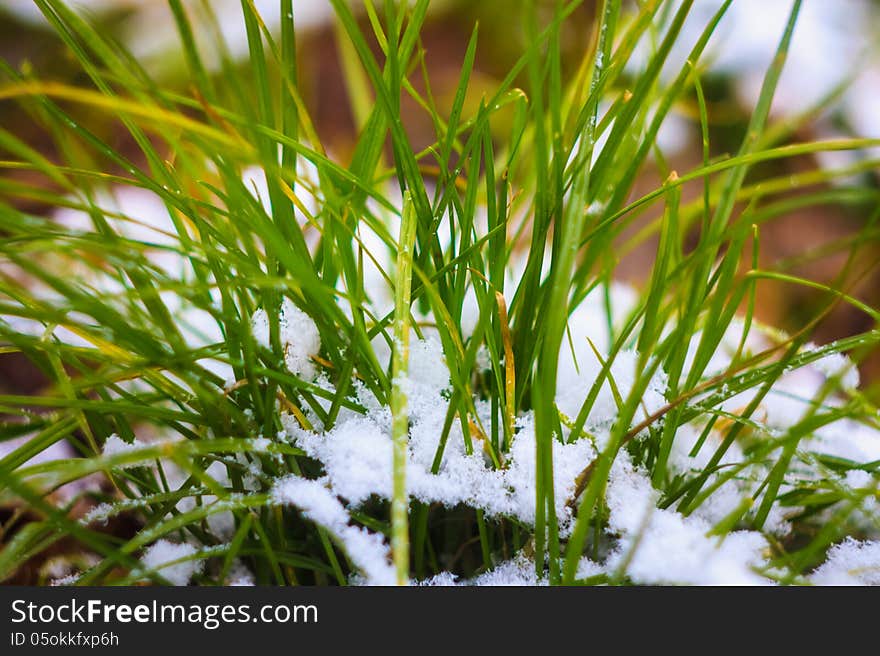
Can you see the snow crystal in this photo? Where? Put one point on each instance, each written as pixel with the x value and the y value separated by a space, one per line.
pixel 158 554
pixel 298 334
pixel 518 571
pixel 67 570
pixel 441 580
pixel 100 513
pixel 850 563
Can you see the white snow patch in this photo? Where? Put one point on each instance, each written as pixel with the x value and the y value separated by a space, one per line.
pixel 70 579
pixel 240 576
pixel 298 334
pixel 356 453
pixel 663 547
pixel 850 563
pixel 518 571
pixel 158 556
pixel 115 445
pixel 368 551
pixel 837 365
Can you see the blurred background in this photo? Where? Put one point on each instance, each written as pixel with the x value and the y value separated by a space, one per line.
pixel 834 62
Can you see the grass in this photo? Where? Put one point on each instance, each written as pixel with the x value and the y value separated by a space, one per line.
pixel 538 178
pixel 399 413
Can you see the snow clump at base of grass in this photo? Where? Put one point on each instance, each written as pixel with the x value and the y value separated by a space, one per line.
pixel 650 545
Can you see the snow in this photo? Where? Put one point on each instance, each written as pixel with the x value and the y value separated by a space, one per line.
pixel 368 551
pixel 663 547
pixel 646 544
pixel 356 453
pixel 835 365
pixel 100 513
pixel 442 580
pixel 850 563
pixel 731 494
pixel 518 571
pixel 70 579
pixel 240 576
pixel 115 445
pixel 299 337
pixel 160 554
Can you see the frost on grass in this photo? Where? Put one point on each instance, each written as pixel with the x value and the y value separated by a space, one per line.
pixel 172 561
